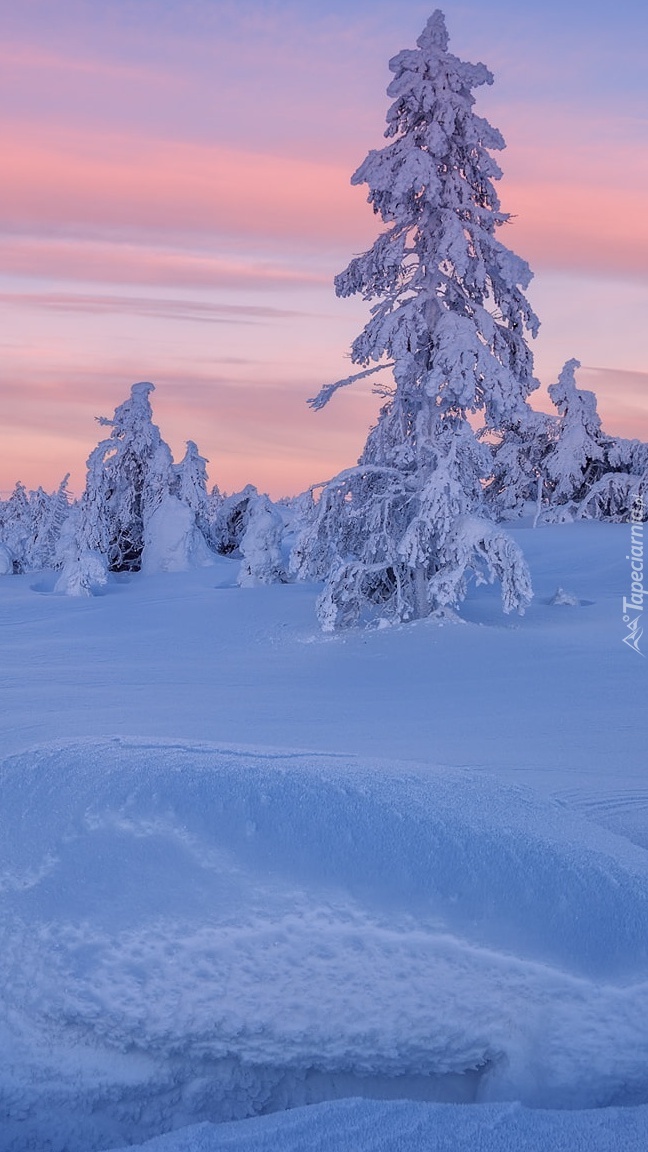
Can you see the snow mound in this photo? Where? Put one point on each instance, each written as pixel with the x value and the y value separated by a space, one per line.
pixel 562 597
pixel 360 1126
pixel 172 540
pixel 212 934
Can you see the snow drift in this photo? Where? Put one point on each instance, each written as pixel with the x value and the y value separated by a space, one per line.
pixel 194 933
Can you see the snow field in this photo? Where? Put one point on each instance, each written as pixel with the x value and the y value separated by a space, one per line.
pixel 196 930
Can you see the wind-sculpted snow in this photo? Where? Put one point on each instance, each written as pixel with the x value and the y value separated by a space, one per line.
pixel 363 1126
pixel 193 933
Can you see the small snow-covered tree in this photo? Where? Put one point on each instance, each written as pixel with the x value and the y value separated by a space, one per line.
pixel 129 474
pixel 577 457
pixel 588 474
pixel 566 464
pixel 230 518
pixel 190 485
pixel 450 321
pixel 518 478
pixel 49 513
pixel 82 574
pixel 16 525
pixel 31 524
pixel 260 548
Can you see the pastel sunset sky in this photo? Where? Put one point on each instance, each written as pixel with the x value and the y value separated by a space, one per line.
pixel 175 203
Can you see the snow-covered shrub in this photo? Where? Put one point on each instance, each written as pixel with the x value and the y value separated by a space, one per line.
pixel 83 574
pixel 83 571
pixel 449 320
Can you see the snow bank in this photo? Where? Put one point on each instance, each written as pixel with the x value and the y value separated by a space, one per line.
pixel 193 933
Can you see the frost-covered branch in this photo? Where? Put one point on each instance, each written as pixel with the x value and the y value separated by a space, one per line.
pixel 325 393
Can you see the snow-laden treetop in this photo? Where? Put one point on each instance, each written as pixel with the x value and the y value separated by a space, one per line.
pixel 451 317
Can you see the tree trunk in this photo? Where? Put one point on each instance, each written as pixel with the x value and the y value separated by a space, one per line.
pixel 421 603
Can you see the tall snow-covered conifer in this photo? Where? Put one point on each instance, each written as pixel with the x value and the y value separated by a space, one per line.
pixel 401 532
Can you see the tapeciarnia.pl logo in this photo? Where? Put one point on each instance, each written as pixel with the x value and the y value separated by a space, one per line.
pixel 634 605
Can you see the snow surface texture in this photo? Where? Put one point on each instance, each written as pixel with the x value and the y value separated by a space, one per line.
pixel 352 1125
pixel 214 930
pixel 195 932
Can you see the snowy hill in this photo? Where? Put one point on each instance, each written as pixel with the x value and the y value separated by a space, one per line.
pixel 246 868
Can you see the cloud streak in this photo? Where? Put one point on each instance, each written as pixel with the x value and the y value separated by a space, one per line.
pixel 77 181
pixel 195 310
pixel 96 261
pixel 168 169
pixel 121 186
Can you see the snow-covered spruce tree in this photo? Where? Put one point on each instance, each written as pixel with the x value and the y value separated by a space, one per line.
pixel 16 525
pixel 399 534
pixel 576 459
pixel 518 478
pixel 50 512
pixel 128 476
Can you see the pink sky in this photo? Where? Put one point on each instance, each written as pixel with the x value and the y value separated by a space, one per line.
pixel 176 201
